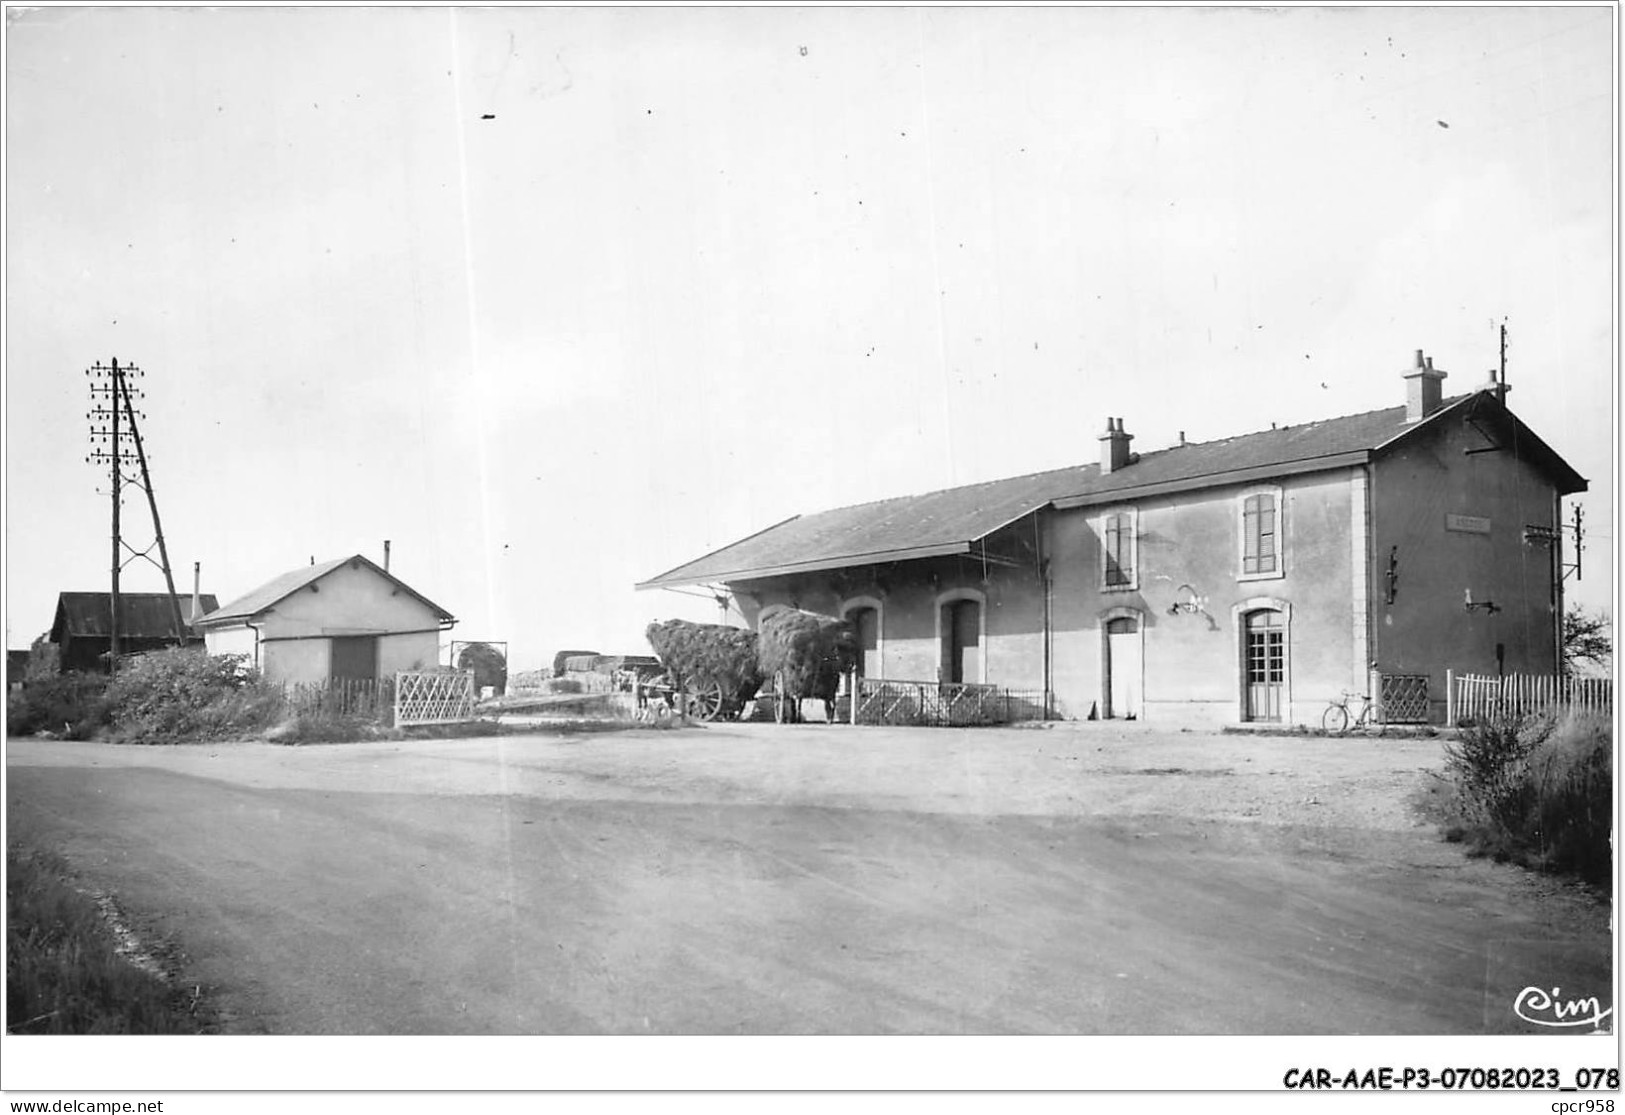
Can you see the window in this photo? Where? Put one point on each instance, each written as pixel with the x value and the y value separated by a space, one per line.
pixel 1260 535
pixel 1117 549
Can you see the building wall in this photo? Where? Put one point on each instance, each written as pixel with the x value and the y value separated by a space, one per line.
pixel 295 643
pixel 910 596
pixel 1454 522
pixel 351 600
pixel 233 640
pixel 1188 548
pixel 309 660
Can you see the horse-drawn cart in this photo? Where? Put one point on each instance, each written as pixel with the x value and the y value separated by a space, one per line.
pixel 709 670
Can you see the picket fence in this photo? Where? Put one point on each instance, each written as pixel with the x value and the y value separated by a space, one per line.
pixel 406 698
pixel 1479 698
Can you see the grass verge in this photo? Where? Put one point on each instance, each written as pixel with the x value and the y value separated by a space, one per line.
pixel 65 973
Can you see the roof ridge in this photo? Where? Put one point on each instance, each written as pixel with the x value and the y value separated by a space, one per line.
pixel 1084 466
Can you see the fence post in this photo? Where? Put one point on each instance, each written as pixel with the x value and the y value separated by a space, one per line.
pixel 1449 698
pixel 853 684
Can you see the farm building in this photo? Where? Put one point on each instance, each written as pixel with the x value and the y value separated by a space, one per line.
pixel 1254 578
pixel 81 629
pixel 347 618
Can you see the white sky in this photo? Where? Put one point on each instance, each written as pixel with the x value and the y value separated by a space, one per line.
pixel 709 268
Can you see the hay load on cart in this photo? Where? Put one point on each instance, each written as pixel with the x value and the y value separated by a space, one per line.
pixel 804 655
pixel 709 667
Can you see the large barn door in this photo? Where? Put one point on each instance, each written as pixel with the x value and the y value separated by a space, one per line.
pixel 355 658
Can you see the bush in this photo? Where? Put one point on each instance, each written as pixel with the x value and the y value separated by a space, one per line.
pixel 1538 792
pixel 172 696
pixel 72 705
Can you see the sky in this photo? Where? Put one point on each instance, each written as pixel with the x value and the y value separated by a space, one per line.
pixel 558 299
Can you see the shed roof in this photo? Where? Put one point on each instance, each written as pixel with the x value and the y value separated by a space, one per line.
pixel 141 615
pixel 950 520
pixel 246 607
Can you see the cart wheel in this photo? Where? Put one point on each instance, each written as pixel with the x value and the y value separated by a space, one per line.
pixel 705 702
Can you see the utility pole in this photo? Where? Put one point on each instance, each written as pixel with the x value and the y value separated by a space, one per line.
pixel 117 446
pixel 1502 378
pixel 1579 543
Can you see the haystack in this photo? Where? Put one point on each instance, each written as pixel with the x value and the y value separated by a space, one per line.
pixel 704 652
pixel 812 650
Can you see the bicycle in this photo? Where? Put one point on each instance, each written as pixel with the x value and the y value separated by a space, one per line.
pixel 1336 718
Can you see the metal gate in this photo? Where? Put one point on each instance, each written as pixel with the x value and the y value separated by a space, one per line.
pixel 433 698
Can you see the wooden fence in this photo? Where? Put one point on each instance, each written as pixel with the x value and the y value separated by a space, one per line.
pixel 406 698
pixel 435 698
pixel 373 699
pixel 1478 698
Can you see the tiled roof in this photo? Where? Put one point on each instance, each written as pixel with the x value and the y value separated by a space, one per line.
pixel 948 521
pixel 142 615
pixel 280 588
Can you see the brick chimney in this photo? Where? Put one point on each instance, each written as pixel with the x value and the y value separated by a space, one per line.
pixel 1114 452
pixel 1422 390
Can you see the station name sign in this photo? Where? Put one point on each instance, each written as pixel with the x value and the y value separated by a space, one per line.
pixel 1467 524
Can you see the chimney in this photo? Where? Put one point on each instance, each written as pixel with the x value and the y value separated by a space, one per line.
pixel 1422 390
pixel 386 555
pixel 1114 447
pixel 197 592
pixel 1495 386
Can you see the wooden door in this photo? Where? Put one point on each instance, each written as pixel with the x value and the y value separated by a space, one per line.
pixel 1264 666
pixel 962 642
pixel 867 622
pixel 355 658
pixel 1123 669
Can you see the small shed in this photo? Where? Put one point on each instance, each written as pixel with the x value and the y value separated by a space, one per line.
pixel 347 619
pixel 81 630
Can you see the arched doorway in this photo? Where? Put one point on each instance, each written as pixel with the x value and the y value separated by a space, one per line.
pixel 962 641
pixel 1263 664
pixel 1124 667
pixel 865 621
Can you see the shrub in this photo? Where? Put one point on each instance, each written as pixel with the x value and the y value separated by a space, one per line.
pixel 1538 792
pixel 171 696
pixel 73 705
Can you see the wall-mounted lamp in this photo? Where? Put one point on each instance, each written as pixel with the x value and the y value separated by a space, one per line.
pixel 1473 605
pixel 1189 604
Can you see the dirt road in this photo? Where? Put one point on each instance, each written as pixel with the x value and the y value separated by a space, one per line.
pixel 808 880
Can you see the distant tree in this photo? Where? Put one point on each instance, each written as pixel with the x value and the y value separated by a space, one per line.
pixel 489 666
pixel 1588 637
pixel 44 658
